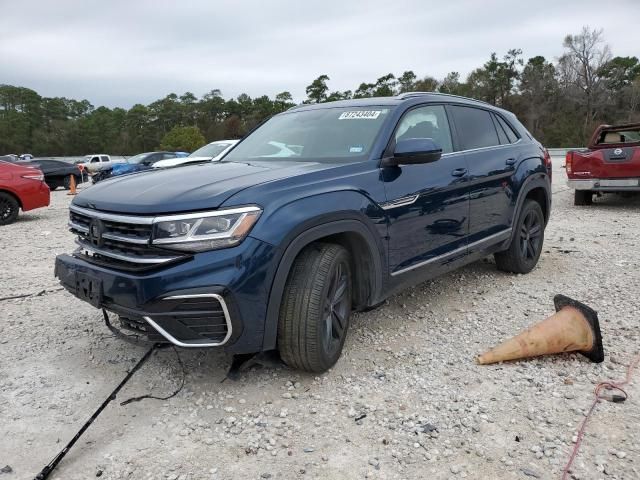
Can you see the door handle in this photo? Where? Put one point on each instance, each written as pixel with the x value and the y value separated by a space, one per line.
pixel 510 161
pixel 459 172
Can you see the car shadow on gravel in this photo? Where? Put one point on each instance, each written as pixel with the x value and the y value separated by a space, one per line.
pixel 615 202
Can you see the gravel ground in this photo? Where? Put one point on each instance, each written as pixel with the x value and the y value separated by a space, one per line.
pixel 405 401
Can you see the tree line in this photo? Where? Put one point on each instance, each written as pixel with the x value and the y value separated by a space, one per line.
pixel 560 102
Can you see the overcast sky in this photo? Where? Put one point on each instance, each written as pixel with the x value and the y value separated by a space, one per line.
pixel 118 53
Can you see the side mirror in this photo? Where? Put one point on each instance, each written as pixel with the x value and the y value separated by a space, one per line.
pixel 414 151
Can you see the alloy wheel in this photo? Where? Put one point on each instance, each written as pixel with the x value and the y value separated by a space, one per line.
pixel 530 236
pixel 337 304
pixel 6 209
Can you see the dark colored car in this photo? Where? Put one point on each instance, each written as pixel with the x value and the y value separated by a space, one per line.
pixel 261 251
pixel 137 163
pixel 610 164
pixel 21 187
pixel 56 172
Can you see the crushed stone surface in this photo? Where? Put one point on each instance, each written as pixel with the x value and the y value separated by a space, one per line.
pixel 405 401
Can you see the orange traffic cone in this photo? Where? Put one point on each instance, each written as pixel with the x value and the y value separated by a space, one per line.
pixel 574 327
pixel 72 183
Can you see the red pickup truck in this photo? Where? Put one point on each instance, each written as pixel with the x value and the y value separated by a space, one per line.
pixel 610 164
pixel 20 188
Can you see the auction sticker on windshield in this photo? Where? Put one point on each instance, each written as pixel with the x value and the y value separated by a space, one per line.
pixel 360 115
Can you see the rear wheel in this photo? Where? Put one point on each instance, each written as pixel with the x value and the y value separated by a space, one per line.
pixel 9 208
pixel 526 244
pixel 583 197
pixel 315 308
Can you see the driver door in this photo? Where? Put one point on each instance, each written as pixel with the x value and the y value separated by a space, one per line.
pixel 428 204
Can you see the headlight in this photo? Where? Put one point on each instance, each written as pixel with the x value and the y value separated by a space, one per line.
pixel 197 232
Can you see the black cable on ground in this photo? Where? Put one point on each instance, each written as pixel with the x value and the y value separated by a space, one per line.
pixel 153 397
pixel 46 471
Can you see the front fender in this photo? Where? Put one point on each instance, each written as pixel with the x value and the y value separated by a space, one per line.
pixel 295 225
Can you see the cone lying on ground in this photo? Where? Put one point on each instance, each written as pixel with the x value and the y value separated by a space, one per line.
pixel 72 185
pixel 574 327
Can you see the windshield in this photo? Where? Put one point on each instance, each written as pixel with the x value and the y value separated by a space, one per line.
pixel 328 134
pixel 210 151
pixel 141 157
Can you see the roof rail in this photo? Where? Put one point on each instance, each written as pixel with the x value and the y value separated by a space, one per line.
pixel 406 95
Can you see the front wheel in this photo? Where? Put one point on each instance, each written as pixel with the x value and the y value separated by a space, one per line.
pixel 315 308
pixel 526 244
pixel 9 208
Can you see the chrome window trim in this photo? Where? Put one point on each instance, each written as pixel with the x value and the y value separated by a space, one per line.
pixel 124 258
pixel 177 342
pixel 483 148
pixel 491 237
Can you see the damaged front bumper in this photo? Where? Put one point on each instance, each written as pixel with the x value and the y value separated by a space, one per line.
pixel 208 301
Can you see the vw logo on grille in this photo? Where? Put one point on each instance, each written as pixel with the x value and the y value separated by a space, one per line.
pixel 96 229
pixel 618 151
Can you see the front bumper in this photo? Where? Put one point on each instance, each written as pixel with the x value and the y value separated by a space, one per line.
pixel 606 184
pixel 216 298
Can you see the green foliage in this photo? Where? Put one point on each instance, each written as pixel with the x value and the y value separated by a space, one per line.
pixel 183 139
pixel 317 91
pixel 560 103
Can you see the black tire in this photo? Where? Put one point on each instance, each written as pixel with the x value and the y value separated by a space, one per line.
pixel 66 182
pixel 583 197
pixel 9 208
pixel 52 184
pixel 526 245
pixel 315 308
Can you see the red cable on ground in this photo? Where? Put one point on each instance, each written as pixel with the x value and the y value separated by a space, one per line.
pixel 598 398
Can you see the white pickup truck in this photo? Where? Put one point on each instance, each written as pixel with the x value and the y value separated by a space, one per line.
pixel 97 161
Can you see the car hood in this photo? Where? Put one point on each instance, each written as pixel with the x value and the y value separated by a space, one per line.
pixel 193 188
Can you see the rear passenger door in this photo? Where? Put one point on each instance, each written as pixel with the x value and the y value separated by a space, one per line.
pixel 491 160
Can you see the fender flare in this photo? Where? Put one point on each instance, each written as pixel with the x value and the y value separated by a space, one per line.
pixel 538 180
pixel 295 246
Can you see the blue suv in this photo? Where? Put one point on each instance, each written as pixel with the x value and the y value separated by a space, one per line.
pixel 323 210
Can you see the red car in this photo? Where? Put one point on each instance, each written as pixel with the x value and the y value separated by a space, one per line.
pixel 20 188
pixel 610 164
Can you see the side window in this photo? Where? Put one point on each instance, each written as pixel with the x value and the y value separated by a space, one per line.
pixel 104 158
pixel 95 159
pixel 426 122
pixel 511 134
pixel 475 127
pixel 502 136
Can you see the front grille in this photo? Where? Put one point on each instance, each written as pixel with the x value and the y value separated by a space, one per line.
pixel 123 242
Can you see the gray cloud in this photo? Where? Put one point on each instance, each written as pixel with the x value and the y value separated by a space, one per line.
pixel 118 53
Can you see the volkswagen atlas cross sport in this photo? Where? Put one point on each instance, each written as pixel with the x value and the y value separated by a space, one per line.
pixel 323 210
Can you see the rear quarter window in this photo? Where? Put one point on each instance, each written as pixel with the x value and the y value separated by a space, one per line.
pixel 475 128
pixel 508 129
